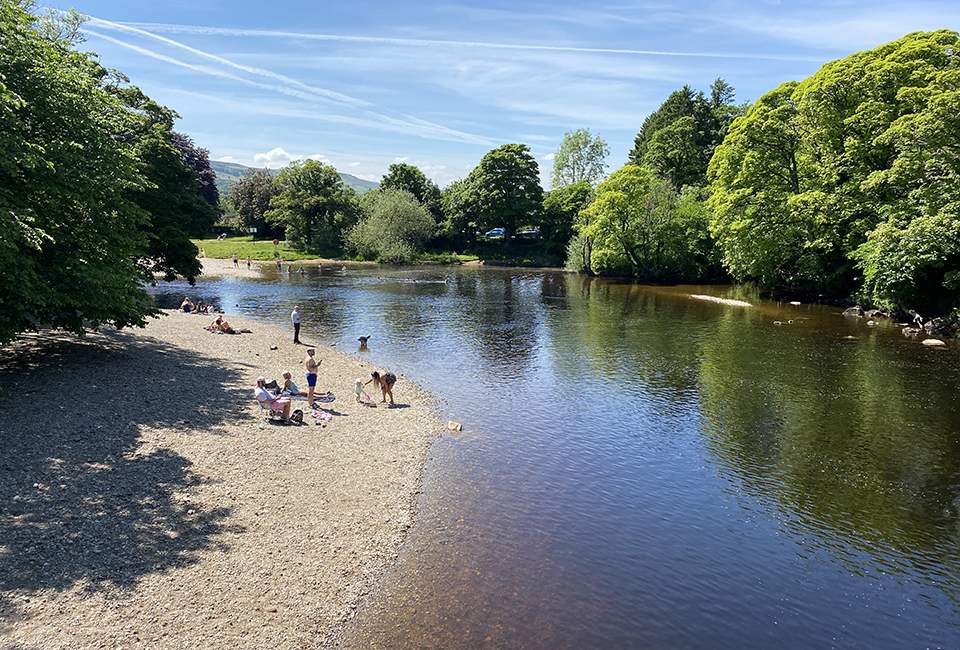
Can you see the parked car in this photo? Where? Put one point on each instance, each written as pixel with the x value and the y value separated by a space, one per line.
pixel 530 232
pixel 496 232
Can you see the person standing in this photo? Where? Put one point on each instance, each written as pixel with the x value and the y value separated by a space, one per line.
pixel 236 261
pixel 312 366
pixel 295 317
pixel 248 262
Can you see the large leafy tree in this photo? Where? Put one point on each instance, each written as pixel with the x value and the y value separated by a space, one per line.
pixel 250 196
pixel 176 211
pixel 198 160
pixel 857 165
pixel 68 224
pixel 401 176
pixel 394 227
pixel 503 190
pixel 678 140
pixel 561 208
pixel 581 157
pixel 622 224
pixel 314 206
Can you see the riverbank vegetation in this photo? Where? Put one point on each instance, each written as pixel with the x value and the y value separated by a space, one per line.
pixel 846 184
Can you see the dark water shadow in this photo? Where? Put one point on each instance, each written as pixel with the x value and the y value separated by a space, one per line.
pixel 83 500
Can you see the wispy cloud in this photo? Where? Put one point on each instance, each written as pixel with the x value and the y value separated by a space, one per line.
pixel 420 42
pixel 292 88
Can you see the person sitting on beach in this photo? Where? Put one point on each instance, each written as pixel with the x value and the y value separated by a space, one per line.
pixel 279 403
pixel 385 382
pixel 290 388
pixel 224 326
pixel 186 306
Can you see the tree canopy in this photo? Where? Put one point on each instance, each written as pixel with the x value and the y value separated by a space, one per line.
pixel 581 157
pixel 402 176
pixel 394 227
pixel 86 169
pixel 677 140
pixel 849 178
pixel 314 206
pixel 250 196
pixel 503 191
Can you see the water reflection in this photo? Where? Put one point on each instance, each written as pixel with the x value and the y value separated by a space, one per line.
pixel 645 469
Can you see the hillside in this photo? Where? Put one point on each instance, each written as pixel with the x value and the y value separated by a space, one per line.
pixel 229 173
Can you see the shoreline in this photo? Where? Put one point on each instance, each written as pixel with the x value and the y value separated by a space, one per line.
pixel 146 501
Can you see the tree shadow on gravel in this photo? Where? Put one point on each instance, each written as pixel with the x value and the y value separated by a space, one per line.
pixel 83 501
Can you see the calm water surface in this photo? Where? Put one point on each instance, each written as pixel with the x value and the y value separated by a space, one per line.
pixel 640 468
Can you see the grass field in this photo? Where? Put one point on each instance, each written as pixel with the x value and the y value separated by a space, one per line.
pixel 265 250
pixel 244 246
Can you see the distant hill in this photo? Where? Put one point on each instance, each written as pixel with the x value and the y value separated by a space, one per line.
pixel 229 173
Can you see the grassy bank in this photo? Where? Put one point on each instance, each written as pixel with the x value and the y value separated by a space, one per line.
pixel 261 249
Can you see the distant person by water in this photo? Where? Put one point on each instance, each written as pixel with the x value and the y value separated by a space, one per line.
pixel 236 261
pixel 248 262
pixel 295 317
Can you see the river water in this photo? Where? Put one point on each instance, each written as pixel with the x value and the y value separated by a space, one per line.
pixel 645 467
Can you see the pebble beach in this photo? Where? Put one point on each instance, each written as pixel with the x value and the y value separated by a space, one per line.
pixel 147 502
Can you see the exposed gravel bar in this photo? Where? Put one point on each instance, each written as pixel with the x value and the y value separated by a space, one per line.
pixel 145 501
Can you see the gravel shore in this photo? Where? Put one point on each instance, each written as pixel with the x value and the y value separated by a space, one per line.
pixel 145 501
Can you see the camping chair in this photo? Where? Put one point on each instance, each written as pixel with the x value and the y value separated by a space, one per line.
pixel 265 408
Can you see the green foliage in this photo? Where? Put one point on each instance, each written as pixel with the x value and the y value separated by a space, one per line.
pixel 247 246
pixel 639 226
pixel 459 225
pixel 502 191
pixel 177 212
pixel 857 165
pixel 198 160
pixel 579 158
pixel 560 210
pixel 313 206
pixel 68 226
pixel 621 224
pixel 394 228
pixel 678 140
pixel 402 176
pixel 250 196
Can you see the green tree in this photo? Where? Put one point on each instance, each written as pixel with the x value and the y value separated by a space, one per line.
pixel 314 206
pixel 250 197
pixel 560 210
pixel 678 140
pixel 68 225
pixel 831 173
pixel 402 176
pixel 503 190
pixel 176 211
pixel 579 158
pixel 622 224
pixel 459 225
pixel 198 160
pixel 394 227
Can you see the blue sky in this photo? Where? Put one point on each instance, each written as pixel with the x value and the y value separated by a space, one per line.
pixel 361 85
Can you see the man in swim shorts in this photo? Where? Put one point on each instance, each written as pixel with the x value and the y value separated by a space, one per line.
pixel 312 366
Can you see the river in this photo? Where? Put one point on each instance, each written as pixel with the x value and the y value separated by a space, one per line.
pixel 647 467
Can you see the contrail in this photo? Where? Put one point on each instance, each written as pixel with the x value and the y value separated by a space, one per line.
pixel 227 31
pixel 329 94
pixel 378 121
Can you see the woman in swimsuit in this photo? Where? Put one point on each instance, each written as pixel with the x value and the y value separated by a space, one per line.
pixel 385 383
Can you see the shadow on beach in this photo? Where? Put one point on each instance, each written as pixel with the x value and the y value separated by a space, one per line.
pixel 89 495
